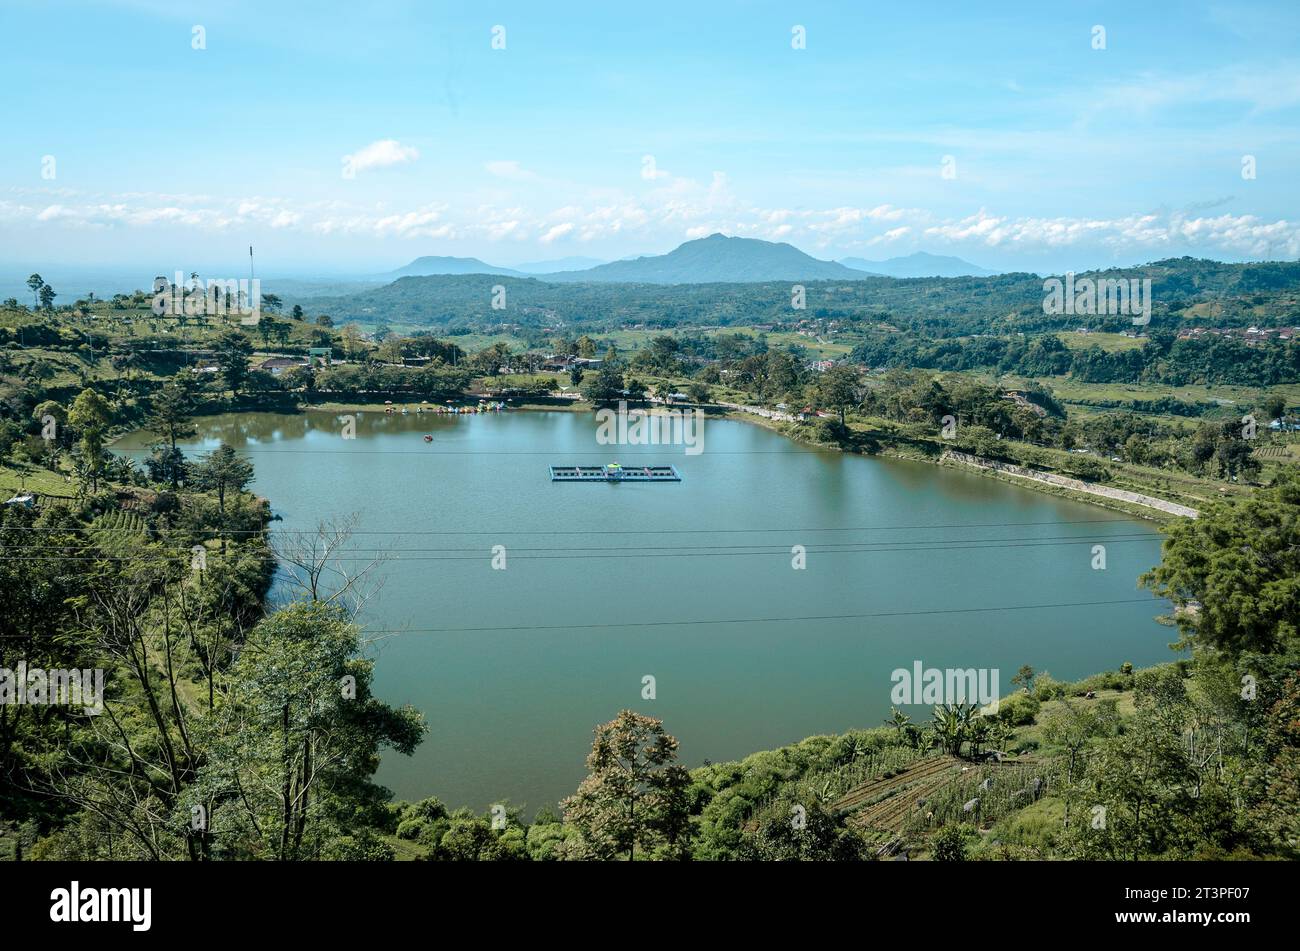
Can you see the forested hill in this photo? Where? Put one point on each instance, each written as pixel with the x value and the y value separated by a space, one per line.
pixel 1186 291
pixel 717 258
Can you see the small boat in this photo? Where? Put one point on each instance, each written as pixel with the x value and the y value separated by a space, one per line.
pixel 428 437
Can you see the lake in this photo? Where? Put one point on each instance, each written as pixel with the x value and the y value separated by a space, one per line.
pixel 690 583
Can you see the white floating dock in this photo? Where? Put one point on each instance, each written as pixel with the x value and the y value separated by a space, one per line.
pixel 614 473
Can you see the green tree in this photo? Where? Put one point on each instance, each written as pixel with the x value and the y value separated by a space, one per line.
pixel 1025 678
pixel 170 417
pixel 1234 572
pixel 951 723
pixel 223 472
pixel 294 740
pixel 839 389
pixel 790 831
pixel 950 844
pixel 90 416
pixel 1073 727
pixel 605 386
pixel 635 794
pixel 233 352
pixel 171 413
pixel 35 283
pixel 898 720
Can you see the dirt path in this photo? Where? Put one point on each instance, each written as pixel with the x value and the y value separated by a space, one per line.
pixel 1076 485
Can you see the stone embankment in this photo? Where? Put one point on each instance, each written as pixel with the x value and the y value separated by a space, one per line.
pixel 1065 482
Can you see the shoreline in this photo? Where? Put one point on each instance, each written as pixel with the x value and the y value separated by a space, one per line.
pixel 792 432
pixel 990 470
pixel 1088 498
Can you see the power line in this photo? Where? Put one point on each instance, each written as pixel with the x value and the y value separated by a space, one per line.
pixel 561 554
pixel 773 548
pixel 435 451
pixel 749 620
pixel 765 620
pixel 586 531
pixel 41 544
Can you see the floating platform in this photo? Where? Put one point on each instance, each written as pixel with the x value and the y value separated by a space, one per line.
pixel 614 473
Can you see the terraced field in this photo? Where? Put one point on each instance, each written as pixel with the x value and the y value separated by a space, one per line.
pixel 886 802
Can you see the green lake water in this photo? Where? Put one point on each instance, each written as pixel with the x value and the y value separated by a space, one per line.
pixel 513 668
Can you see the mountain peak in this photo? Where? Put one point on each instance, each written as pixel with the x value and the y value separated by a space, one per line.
pixel 433 264
pixel 716 259
pixel 918 264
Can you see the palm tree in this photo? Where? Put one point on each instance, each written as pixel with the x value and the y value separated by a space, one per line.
pixel 898 720
pixel 953 723
pixel 852 749
pixel 947 724
pixel 1002 731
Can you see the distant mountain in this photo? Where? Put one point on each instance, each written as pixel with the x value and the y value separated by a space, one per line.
pixel 715 259
pixel 1183 289
pixel 431 265
pixel 559 265
pixel 919 264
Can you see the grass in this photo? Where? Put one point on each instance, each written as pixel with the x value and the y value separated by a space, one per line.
pixel 1072 391
pixel 1111 343
pixel 21 477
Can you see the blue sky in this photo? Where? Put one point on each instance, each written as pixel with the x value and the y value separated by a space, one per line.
pixel 354 137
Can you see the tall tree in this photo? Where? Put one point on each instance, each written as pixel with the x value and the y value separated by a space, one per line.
pixel 605 387
pixel 635 793
pixel 233 352
pixel 171 413
pixel 839 388
pixel 89 415
pixel 34 284
pixel 223 472
pixel 1073 727
pixel 1234 572
pixel 297 736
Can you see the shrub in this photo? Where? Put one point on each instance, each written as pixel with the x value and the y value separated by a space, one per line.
pixel 364 846
pixel 410 829
pixel 1019 709
pixel 950 844
pixel 1047 688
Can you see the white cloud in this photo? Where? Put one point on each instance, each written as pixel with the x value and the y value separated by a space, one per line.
pixel 380 154
pixel 682 208
pixel 559 231
pixel 510 170
pixel 1235 235
pixel 1257 88
pixel 650 169
pixel 893 234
